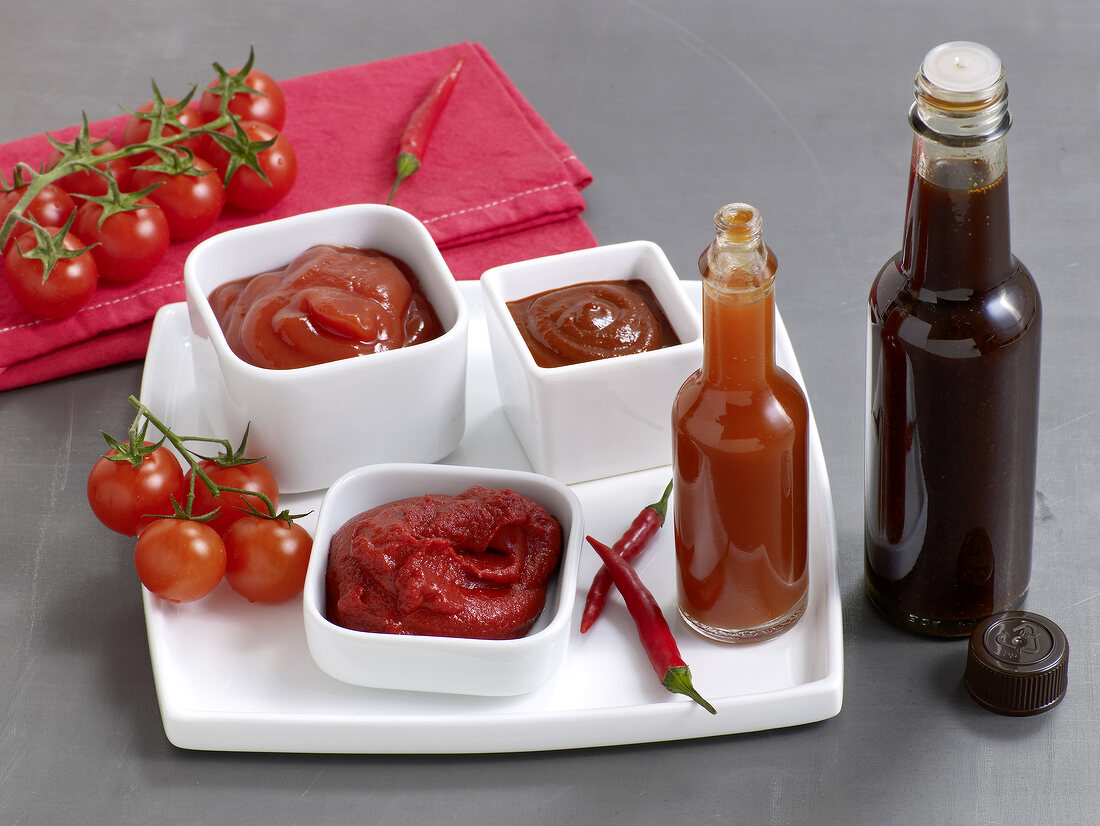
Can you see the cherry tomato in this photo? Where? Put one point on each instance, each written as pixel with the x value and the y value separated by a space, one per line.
pixel 254 477
pixel 129 245
pixel 126 498
pixel 179 560
pixel 51 207
pixel 269 106
pixel 136 129
pixel 86 182
pixel 266 559
pixel 191 203
pixel 70 285
pixel 246 189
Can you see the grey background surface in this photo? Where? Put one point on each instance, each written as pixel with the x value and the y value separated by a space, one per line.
pixel 677 108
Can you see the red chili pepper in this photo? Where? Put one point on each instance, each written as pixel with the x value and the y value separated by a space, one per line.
pixel 644 527
pixel 414 140
pixel 653 630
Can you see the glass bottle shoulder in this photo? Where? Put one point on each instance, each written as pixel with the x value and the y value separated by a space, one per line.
pixel 961 319
pixel 768 411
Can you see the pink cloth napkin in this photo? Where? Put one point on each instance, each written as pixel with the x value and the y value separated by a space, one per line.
pixel 497 185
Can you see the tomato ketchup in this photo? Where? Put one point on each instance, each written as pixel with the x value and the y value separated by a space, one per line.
pixel 474 564
pixel 329 303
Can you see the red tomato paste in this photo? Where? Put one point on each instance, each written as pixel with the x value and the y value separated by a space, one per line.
pixel 471 565
pixel 595 320
pixel 329 303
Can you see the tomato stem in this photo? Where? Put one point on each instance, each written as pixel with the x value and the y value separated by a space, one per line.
pixel 145 417
pixel 77 154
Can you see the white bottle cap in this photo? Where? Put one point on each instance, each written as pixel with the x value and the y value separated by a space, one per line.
pixel 962 67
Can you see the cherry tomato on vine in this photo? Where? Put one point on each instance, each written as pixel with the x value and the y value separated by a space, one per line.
pixel 191 203
pixel 70 285
pixel 266 559
pixel 269 106
pixel 87 182
pixel 179 560
pixel 126 498
pixel 129 244
pixel 246 189
pixel 254 476
pixel 136 129
pixel 51 207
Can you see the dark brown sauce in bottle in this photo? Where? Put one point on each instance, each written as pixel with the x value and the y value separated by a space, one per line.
pixel 954 346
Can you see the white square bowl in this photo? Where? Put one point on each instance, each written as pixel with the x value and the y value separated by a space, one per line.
pixel 316 423
pixel 442 664
pixel 599 418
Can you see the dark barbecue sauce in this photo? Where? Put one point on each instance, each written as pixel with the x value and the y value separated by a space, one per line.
pixel 592 320
pixel 954 361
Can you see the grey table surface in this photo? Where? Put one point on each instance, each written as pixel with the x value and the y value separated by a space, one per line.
pixel 677 108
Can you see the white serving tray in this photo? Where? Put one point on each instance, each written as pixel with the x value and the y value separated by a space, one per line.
pixel 234 676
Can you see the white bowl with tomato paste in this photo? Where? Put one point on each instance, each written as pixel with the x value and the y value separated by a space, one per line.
pixel 442 664
pixel 602 417
pixel 316 422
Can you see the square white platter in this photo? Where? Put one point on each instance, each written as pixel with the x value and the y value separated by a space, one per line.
pixel 236 676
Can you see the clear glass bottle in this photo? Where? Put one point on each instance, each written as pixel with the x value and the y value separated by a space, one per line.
pixel 740 459
pixel 953 369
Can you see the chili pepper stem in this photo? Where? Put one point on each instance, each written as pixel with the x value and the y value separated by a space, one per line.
pixel 407 164
pixel 678 680
pixel 660 507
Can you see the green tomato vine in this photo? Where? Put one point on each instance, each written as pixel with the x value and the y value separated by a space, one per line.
pixel 137 447
pixel 77 155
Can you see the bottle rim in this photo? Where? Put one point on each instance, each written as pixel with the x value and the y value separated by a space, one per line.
pixel 739 223
pixel 962 72
pixel 961 95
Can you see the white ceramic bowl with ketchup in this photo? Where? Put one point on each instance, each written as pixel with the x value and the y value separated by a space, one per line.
pixel 448 665
pixel 598 418
pixel 315 423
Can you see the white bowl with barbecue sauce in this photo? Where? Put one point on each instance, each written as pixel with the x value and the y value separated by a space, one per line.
pixel 345 283
pixel 589 349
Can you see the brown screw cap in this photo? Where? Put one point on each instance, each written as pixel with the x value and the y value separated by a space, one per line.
pixel 1017 663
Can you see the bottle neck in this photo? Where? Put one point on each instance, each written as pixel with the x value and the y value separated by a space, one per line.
pixel 738 273
pixel 957 234
pixel 956 239
pixel 738 337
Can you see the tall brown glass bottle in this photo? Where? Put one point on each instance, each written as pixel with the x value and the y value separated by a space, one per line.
pixel 953 369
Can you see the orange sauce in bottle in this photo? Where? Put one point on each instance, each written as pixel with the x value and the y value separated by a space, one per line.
pixel 740 463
